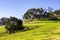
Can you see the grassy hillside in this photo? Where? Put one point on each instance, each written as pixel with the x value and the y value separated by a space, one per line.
pixel 39 30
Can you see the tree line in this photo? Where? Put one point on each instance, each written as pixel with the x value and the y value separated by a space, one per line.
pixel 41 13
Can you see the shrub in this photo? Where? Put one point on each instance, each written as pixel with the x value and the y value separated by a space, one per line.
pixel 13 25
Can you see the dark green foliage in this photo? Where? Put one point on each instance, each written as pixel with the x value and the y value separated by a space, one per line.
pixel 54 15
pixel 4 19
pixel 41 13
pixel 13 25
pixel 35 13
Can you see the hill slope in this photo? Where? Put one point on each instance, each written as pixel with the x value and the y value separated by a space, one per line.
pixel 39 30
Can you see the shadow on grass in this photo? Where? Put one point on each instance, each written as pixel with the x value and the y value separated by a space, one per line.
pixel 30 28
pixel 25 29
pixel 3 34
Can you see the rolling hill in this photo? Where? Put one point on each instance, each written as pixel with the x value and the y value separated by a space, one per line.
pixel 39 30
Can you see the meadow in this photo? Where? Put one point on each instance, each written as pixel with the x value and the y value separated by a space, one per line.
pixel 39 30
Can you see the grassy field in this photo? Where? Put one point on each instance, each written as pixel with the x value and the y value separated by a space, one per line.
pixel 39 30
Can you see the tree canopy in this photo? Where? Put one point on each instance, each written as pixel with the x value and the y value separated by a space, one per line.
pixel 42 13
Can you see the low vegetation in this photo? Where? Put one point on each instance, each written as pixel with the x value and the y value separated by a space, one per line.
pixel 39 30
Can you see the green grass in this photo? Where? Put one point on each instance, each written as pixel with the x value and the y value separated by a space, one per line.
pixel 40 30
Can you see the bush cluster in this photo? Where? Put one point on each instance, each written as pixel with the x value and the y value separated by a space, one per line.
pixel 13 24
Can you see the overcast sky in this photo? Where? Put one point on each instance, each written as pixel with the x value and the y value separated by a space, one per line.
pixel 17 8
